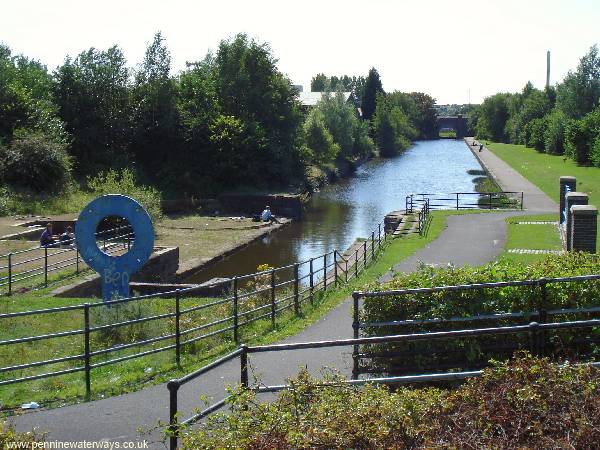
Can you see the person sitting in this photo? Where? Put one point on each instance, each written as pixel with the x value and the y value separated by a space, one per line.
pixel 47 239
pixel 267 216
pixel 67 239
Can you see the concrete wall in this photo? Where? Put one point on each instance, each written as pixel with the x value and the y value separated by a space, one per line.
pixel 281 205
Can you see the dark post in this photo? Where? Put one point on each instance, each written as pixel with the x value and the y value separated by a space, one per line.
pixel 312 281
pixel 325 272
pixel 521 200
pixel 534 328
pixel 296 297
pixel 273 296
pixel 86 349
pixel 236 337
pixel 346 271
pixel 173 387
pixel 46 266
pixel 177 330
pixel 457 201
pixel 490 194
pixel 356 263
pixel 77 260
pixel 355 328
pixel 244 366
pixel 543 314
pixel 335 268
pixel 365 252
pixel 372 245
pixel 9 273
pixel 379 236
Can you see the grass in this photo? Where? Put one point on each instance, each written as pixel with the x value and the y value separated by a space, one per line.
pixel 544 171
pixel 135 374
pixel 534 237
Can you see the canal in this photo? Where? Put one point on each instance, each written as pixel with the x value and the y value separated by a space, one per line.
pixel 353 207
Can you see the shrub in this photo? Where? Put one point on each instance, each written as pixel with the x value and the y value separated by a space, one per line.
pixel 124 182
pixel 554 135
pixel 528 403
pixel 534 134
pixel 595 155
pixel 36 162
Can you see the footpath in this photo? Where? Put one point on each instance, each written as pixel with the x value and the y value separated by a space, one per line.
pixel 468 239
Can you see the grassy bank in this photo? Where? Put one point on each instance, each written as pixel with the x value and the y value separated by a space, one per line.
pixel 544 171
pixel 531 237
pixel 135 374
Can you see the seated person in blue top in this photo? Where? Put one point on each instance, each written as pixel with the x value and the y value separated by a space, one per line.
pixel 67 239
pixel 267 216
pixel 47 239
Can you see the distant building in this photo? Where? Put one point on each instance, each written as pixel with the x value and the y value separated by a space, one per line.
pixel 309 99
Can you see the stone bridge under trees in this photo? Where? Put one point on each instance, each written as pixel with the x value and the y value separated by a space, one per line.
pixel 457 123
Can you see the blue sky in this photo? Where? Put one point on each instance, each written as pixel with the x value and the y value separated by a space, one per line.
pixel 444 48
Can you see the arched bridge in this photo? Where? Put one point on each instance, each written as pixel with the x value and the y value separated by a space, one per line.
pixel 457 123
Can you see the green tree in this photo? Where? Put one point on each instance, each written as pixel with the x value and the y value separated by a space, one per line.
pixel 493 115
pixel 94 100
pixel 319 83
pixel 427 115
pixel 372 88
pixel 340 120
pixel 393 131
pixel 156 132
pixel 320 143
pixel 554 136
pixel 579 92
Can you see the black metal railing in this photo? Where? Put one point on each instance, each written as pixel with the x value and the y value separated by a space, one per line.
pixel 32 266
pixel 540 310
pixel 466 200
pixel 535 330
pixel 188 317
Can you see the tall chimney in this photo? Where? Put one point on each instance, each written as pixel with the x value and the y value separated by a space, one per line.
pixel 548 69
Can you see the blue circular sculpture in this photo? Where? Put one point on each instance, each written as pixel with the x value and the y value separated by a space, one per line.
pixel 114 270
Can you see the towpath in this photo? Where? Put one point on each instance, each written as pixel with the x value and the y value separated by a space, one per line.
pixel 468 239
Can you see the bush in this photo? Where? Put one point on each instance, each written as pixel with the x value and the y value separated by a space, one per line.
pixel 528 403
pixel 554 135
pixel 595 155
pixel 124 182
pixel 36 162
pixel 534 134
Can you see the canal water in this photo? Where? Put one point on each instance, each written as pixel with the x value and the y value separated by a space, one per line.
pixel 353 207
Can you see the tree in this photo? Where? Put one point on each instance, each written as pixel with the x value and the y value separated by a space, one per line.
pixel 493 115
pixel 93 96
pixel 554 136
pixel 340 120
pixel 320 143
pixel 372 88
pixel 579 92
pixel 319 83
pixel 156 134
pixel 393 131
pixel 427 115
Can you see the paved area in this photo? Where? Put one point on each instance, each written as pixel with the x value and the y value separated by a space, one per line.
pixel 469 239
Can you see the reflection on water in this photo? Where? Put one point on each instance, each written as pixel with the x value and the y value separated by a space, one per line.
pixel 353 207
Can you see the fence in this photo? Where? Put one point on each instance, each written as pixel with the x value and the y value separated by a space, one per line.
pixel 534 329
pixel 456 356
pixel 20 266
pixel 466 200
pixel 179 319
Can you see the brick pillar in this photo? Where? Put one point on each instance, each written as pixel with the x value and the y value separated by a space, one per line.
pixel 572 199
pixel 584 228
pixel 565 181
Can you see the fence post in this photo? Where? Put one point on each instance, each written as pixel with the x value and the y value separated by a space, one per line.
pixel 365 252
pixel 235 310
pixel 46 266
pixel 335 268
pixel 312 281
pixel 490 195
pixel 543 314
pixel 244 366
pixel 457 207
pixel 355 328
pixel 173 387
pixel 177 330
pixel 521 200
pixel 534 328
pixel 296 297
pixel 346 270
pixel 372 245
pixel 10 274
pixel 77 260
pixel 273 297
pixel 356 263
pixel 379 236
pixel 86 349
pixel 325 272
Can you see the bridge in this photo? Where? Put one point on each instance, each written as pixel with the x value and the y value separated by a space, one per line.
pixel 457 123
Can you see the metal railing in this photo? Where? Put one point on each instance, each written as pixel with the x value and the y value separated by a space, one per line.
pixel 35 264
pixel 245 299
pixel 535 330
pixel 540 310
pixel 466 200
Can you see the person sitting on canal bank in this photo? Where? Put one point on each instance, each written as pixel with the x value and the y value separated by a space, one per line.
pixel 267 216
pixel 67 239
pixel 480 147
pixel 47 239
